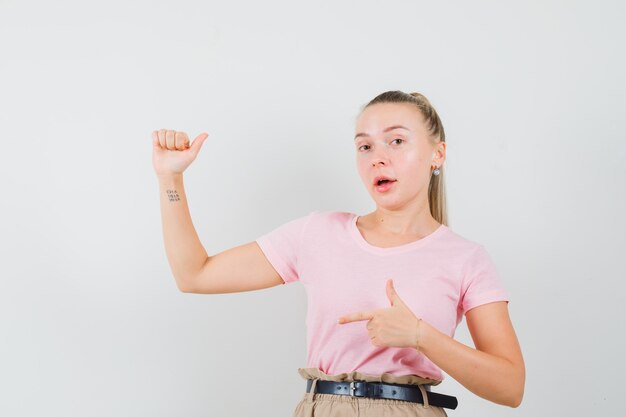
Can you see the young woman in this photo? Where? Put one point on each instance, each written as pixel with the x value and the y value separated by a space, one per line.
pixel 385 291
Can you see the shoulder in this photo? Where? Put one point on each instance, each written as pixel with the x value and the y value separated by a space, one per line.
pixel 476 264
pixel 458 243
pixel 325 223
pixel 330 217
pixel 468 254
pixel 316 220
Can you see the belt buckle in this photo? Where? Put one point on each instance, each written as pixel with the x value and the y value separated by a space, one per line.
pixel 352 388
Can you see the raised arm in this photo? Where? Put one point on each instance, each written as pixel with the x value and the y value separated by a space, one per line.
pixel 185 252
pixel 242 268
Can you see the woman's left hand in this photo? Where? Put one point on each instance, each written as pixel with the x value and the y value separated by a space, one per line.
pixel 395 326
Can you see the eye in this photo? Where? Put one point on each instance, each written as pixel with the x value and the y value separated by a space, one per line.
pixel 398 139
pixel 362 146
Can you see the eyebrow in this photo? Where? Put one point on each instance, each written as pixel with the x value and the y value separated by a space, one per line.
pixel 385 130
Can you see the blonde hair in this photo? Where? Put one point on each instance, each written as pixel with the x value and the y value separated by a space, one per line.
pixel 436 187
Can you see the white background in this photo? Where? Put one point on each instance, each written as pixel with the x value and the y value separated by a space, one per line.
pixel 531 95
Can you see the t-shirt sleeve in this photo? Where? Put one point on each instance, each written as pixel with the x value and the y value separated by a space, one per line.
pixel 482 283
pixel 281 247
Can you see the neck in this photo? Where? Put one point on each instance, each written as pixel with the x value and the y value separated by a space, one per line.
pixel 410 221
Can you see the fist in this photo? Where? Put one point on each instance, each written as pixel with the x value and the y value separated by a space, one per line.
pixel 171 151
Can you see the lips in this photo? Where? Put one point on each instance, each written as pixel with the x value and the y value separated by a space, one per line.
pixel 385 186
pixel 384 178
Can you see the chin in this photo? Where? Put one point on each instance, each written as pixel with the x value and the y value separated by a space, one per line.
pixel 389 204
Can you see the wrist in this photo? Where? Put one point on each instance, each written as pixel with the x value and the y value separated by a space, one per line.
pixel 170 175
pixel 427 336
pixel 171 178
pixel 425 333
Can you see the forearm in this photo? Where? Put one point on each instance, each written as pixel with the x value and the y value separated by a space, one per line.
pixel 185 252
pixel 490 377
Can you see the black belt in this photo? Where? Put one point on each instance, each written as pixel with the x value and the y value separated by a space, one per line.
pixel 404 392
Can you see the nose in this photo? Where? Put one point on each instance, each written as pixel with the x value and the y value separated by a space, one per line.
pixel 380 157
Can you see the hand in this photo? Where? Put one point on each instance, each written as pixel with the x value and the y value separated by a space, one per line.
pixel 396 326
pixel 171 153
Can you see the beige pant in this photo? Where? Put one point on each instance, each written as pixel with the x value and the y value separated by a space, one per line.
pixel 331 405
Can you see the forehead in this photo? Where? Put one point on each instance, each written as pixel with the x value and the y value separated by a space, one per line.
pixel 375 118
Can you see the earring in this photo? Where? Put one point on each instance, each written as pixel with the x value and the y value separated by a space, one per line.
pixel 436 171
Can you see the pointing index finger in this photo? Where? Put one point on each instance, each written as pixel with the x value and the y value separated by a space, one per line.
pixel 361 315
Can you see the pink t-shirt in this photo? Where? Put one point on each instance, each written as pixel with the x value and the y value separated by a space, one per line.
pixel 440 277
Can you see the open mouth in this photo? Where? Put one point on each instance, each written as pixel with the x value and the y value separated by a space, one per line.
pixel 381 182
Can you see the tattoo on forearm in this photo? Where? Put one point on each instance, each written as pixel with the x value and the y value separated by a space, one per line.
pixel 173 195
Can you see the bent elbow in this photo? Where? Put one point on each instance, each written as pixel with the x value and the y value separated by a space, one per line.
pixel 516 400
pixel 517 393
pixel 184 286
pixel 184 290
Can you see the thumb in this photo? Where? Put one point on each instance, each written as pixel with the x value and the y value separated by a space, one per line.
pixel 197 143
pixel 393 296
